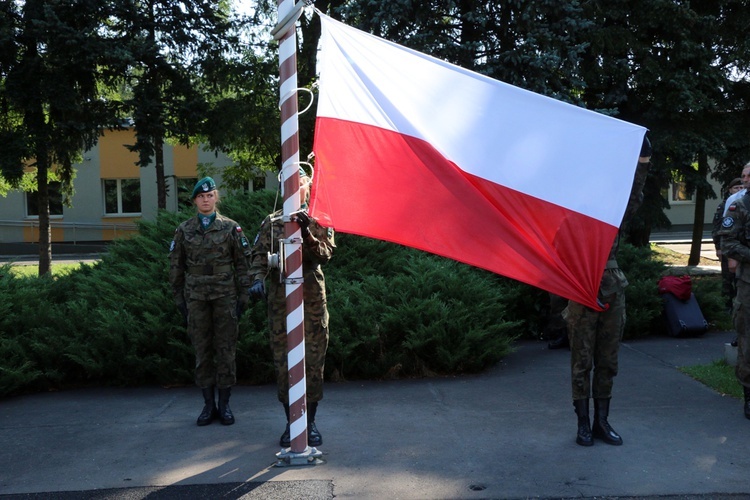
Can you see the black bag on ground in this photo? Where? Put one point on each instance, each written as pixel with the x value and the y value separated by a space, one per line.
pixel 684 317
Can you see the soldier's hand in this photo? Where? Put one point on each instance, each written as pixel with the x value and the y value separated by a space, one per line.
pixel 239 308
pixel 732 265
pixel 257 291
pixel 184 311
pixel 303 219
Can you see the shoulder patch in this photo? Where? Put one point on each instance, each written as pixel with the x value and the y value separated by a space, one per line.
pixel 727 222
pixel 732 207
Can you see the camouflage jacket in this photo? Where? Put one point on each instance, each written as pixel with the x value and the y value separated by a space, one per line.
pixel 317 249
pixel 735 234
pixel 211 263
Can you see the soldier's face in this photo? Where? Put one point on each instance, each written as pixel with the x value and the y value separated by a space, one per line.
pixel 304 189
pixel 736 189
pixel 206 202
pixel 746 177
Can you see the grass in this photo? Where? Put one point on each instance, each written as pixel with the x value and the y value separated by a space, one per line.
pixel 32 270
pixel 672 258
pixel 718 375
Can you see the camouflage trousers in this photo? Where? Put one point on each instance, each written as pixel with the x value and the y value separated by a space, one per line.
pixel 213 330
pixel 316 345
pixel 594 344
pixel 728 282
pixel 739 313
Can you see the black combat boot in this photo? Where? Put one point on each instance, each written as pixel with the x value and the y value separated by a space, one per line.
pixel 285 441
pixel 209 412
pixel 747 401
pixel 601 429
pixel 584 437
pixel 313 435
pixel 225 413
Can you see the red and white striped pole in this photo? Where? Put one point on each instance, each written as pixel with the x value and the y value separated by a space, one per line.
pixel 288 13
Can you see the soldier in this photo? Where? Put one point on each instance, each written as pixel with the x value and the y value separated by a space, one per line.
pixel 317 249
pixel 595 335
pixel 209 277
pixel 728 287
pixel 735 229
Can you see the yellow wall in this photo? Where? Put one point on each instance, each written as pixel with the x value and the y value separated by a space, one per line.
pixel 116 162
pixel 185 161
pixel 31 234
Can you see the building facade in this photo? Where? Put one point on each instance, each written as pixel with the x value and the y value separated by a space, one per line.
pixel 111 193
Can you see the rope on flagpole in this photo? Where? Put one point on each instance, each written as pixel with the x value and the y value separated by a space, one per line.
pixel 299 453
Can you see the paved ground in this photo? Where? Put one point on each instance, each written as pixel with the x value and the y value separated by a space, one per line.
pixel 507 433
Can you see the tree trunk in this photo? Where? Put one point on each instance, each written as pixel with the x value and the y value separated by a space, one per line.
pixel 700 210
pixel 161 183
pixel 45 232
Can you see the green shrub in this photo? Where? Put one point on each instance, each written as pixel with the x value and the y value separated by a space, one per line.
pixel 707 291
pixel 400 312
pixel 643 303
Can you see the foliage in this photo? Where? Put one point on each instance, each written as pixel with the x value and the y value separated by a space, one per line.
pixel 171 52
pixel 51 54
pixel 707 291
pixel 407 313
pixel 644 305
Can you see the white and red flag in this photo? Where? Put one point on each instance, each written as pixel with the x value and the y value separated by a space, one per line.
pixel 416 151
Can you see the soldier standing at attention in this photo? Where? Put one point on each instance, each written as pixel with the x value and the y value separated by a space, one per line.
pixel 209 276
pixel 317 249
pixel 727 277
pixel 734 232
pixel 595 335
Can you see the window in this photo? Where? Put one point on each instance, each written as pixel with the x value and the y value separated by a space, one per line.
pixel 55 201
pixel 122 196
pixel 679 193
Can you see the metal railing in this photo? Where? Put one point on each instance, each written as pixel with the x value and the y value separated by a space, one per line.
pixel 33 224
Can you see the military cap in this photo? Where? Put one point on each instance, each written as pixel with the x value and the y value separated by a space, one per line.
pixel 735 182
pixel 203 186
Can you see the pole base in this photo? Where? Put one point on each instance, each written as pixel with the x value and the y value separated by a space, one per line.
pixel 287 458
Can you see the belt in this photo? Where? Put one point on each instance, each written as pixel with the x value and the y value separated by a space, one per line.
pixel 611 264
pixel 208 269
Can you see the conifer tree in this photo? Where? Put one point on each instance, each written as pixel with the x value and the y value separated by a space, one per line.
pixel 50 111
pixel 169 44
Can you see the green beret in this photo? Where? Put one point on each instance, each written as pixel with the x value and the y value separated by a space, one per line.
pixel 203 186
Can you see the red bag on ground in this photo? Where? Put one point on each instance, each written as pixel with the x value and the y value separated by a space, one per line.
pixel 679 286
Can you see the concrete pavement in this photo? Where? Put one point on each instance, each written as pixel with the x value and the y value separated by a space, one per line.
pixel 507 433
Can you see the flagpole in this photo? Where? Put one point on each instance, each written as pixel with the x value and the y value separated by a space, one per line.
pixel 285 32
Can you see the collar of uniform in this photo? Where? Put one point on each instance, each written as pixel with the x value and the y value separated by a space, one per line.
pixel 206 220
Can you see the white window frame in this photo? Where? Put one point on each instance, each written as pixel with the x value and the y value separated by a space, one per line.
pixel 119 197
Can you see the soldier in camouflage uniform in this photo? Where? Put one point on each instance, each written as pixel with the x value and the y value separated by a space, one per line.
pixel 595 335
pixel 735 244
pixel 209 276
pixel 728 286
pixel 317 249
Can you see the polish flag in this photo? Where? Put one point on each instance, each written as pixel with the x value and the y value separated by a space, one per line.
pixel 416 151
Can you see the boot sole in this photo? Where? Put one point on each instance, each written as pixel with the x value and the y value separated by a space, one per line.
pixel 584 443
